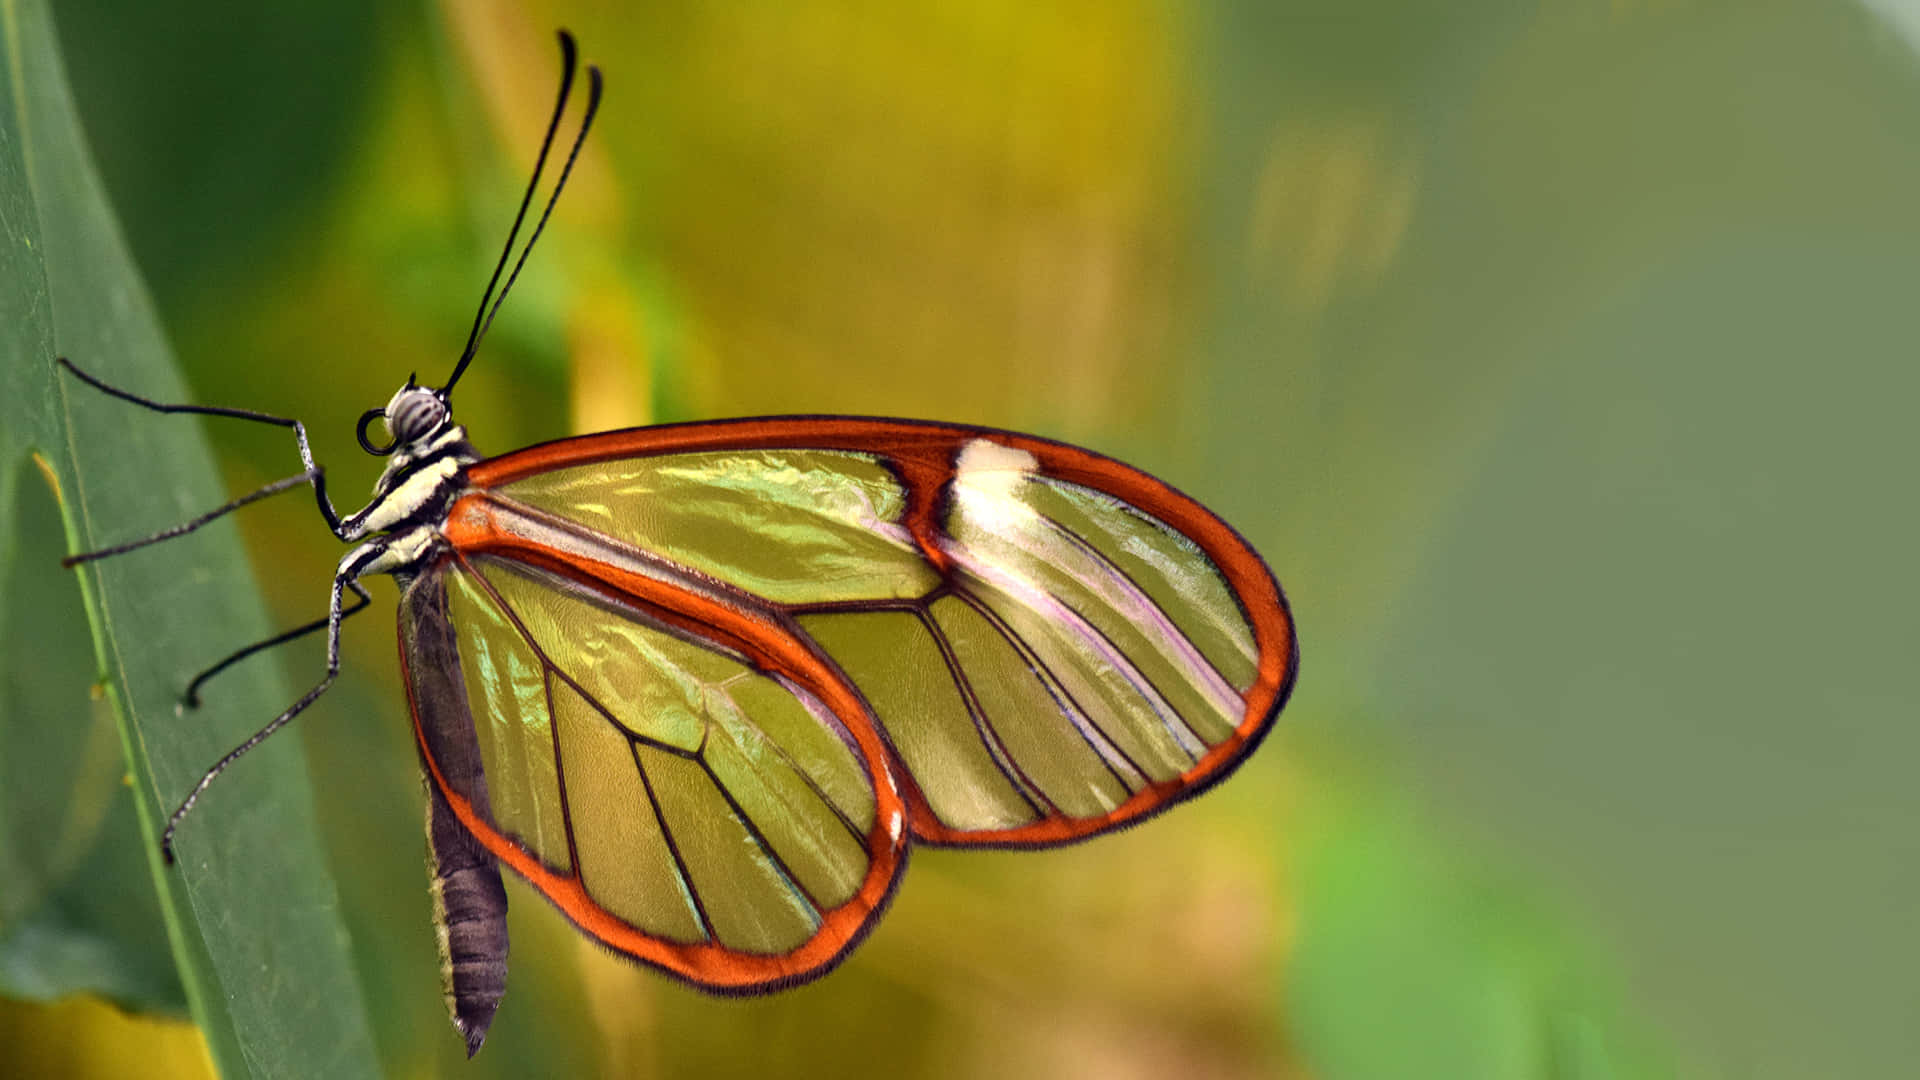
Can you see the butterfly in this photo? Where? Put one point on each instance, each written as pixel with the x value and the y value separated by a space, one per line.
pixel 704 686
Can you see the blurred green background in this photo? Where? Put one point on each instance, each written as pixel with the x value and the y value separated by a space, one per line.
pixel 1556 355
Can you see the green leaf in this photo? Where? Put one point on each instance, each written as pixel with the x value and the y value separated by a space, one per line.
pixel 250 911
pixel 67 820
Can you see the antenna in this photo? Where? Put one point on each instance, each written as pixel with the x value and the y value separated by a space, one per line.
pixel 483 318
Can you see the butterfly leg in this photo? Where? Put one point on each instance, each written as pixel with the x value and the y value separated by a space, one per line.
pixel 185 527
pixel 370 558
pixel 191 699
pixel 312 474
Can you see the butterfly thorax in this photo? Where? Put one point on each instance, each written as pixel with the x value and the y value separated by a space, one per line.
pixel 421 481
pixel 426 473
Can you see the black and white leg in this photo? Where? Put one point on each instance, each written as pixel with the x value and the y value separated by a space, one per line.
pixel 191 699
pixel 311 474
pixel 365 559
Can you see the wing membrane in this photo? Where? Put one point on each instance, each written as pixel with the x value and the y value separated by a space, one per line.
pixel 1054 644
pixel 732 832
pixel 791 525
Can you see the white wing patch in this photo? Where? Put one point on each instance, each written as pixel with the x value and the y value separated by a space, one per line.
pixel 986 483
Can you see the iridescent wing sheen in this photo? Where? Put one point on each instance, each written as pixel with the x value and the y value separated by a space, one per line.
pixel 808 631
pixel 694 801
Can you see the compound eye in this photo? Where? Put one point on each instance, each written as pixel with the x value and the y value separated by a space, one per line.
pixel 414 414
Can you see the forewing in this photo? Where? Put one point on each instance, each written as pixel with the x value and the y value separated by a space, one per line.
pixel 1054 643
pixel 677 801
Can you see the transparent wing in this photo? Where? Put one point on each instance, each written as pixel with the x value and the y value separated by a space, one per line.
pixel 679 801
pixel 1054 644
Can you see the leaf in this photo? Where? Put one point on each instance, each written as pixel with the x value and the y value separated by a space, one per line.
pixel 67 821
pixel 250 910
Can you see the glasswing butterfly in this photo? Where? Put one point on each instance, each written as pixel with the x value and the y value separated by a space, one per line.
pixel 704 685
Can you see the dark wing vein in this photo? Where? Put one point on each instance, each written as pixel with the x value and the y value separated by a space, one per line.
pixel 633 741
pixel 1168 627
pixel 1047 604
pixel 1103 747
pixel 1017 778
pixel 673 848
pixel 1175 725
pixel 839 607
pixel 552 669
pixel 806 778
pixel 759 838
pixel 548 671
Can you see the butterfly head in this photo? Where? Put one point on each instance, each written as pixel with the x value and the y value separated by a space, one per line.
pixel 414 415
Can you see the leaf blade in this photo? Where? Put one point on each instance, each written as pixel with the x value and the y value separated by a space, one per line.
pixel 251 911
